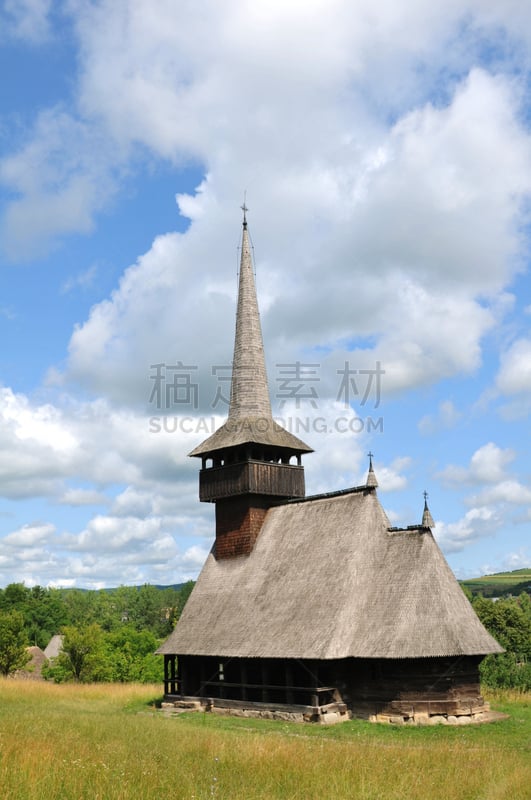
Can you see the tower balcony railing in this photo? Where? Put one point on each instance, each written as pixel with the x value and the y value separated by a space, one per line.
pixel 251 477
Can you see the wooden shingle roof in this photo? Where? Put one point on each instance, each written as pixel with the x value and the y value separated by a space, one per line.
pixel 329 579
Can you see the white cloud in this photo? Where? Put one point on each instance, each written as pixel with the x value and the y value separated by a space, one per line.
pixel 61 176
pixel 29 535
pixel 125 535
pixel 476 524
pixel 487 465
pixel 27 19
pixel 518 560
pixel 83 497
pixel 391 479
pixel 42 446
pixel 514 376
pixel 417 296
pixel 489 462
pixel 507 491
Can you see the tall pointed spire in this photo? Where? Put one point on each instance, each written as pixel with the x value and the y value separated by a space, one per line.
pixel 249 395
pixel 250 419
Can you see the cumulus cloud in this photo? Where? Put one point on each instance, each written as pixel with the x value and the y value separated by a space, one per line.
pixel 518 560
pixel 420 299
pixel 29 535
pixel 82 497
pixel 514 376
pixel 61 176
pixel 109 551
pixel 507 491
pixel 128 536
pixel 391 478
pixel 476 524
pixel 41 446
pixel 487 465
pixel 45 450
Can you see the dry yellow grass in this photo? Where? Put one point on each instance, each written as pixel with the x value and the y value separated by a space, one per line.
pixel 105 742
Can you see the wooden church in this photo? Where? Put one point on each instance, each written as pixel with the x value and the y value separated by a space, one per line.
pixel 314 608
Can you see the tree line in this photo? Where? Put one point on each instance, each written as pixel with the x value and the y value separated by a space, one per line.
pixel 108 635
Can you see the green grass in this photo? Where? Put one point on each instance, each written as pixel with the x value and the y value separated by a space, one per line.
pixel 501 583
pixel 110 743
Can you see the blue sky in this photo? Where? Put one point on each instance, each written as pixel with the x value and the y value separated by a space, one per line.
pixel 385 152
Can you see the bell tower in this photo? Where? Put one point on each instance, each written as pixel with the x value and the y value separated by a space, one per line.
pixel 250 462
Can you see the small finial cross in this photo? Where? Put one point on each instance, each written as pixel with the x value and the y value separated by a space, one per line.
pixel 370 454
pixel 244 209
pixel 425 496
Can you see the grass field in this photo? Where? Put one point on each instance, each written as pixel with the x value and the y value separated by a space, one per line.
pixel 108 742
pixel 501 583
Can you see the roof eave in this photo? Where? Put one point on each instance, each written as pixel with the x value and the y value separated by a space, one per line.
pixel 261 431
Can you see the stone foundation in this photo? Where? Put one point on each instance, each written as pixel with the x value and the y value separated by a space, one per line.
pixel 473 716
pixel 325 715
pixel 321 715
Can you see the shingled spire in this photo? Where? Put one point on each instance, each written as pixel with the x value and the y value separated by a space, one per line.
pixel 250 418
pixel 250 462
pixel 249 396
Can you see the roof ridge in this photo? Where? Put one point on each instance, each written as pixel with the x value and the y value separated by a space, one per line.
pixel 324 495
pixel 417 527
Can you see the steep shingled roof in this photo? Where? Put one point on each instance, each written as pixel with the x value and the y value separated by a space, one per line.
pixel 328 579
pixel 250 418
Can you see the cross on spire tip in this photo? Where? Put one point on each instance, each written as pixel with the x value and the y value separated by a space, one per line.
pixel 245 209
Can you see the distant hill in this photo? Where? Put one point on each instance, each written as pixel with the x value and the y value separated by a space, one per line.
pixel 501 584
pixel 176 586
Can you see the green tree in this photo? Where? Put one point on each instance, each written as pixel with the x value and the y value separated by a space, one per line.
pixel 13 642
pixel 15 595
pixel 45 613
pixel 79 607
pixel 524 601
pixel 147 612
pixel 83 656
pixel 132 656
pixel 508 621
pixel 184 594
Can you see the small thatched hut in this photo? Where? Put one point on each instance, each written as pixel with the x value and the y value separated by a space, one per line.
pixel 314 607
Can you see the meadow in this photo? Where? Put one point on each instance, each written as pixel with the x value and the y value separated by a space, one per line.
pixel 109 742
pixel 502 583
